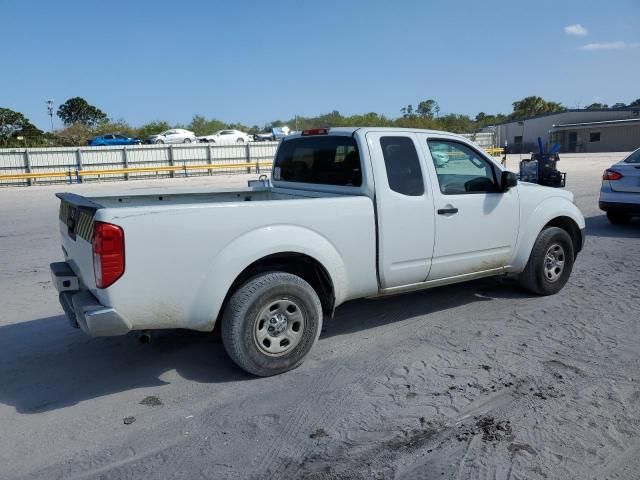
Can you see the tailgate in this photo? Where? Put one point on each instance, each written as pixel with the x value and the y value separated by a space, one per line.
pixel 76 231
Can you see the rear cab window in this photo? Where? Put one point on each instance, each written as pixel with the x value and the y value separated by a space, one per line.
pixel 325 160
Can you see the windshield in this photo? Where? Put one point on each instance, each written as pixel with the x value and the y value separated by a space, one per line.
pixel 327 160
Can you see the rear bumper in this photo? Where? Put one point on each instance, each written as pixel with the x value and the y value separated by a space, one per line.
pixel 632 208
pixel 613 201
pixel 83 309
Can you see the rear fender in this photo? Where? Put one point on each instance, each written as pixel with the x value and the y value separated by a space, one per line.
pixel 255 245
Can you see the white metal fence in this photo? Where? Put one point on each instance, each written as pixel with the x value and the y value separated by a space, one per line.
pixel 84 164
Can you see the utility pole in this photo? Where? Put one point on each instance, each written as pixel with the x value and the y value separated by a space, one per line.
pixel 50 110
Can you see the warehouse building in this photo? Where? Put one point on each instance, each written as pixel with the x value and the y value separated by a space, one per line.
pixel 606 136
pixel 577 130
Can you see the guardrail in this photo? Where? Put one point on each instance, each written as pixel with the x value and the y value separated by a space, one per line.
pixel 79 174
pixel 494 151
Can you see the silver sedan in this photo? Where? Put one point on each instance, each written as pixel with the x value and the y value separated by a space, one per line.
pixel 620 192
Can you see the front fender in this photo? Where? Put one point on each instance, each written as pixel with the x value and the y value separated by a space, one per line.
pixel 251 247
pixel 534 221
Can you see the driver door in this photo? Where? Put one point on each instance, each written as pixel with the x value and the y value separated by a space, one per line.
pixel 476 223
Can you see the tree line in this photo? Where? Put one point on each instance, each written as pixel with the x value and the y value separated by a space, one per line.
pixel 82 121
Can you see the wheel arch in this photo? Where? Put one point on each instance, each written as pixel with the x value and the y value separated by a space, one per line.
pixel 554 211
pixel 296 263
pixel 571 227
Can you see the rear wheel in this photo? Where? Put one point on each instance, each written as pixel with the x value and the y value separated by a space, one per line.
pixel 550 263
pixel 618 218
pixel 271 322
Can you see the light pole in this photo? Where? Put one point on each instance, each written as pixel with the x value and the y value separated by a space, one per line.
pixel 50 110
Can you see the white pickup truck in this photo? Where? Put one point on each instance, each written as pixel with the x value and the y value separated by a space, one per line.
pixel 349 213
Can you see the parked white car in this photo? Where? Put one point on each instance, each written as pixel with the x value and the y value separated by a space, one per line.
pixel 350 213
pixel 175 135
pixel 227 137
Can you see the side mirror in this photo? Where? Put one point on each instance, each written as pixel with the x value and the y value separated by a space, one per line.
pixel 508 180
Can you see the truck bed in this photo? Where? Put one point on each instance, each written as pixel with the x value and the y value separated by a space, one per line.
pixel 205 239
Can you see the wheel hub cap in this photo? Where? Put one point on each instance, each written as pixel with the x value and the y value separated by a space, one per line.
pixel 279 327
pixel 554 262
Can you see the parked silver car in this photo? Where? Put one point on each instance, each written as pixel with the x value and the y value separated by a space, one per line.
pixel 226 137
pixel 620 192
pixel 175 135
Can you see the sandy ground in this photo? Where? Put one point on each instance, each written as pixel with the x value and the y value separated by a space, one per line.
pixel 468 382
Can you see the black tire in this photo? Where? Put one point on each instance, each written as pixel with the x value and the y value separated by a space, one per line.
pixel 159 142
pixel 186 140
pixel 542 275
pixel 240 141
pixel 619 218
pixel 250 308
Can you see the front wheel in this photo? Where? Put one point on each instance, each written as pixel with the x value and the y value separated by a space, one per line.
pixel 187 140
pixel 271 322
pixel 240 140
pixel 550 263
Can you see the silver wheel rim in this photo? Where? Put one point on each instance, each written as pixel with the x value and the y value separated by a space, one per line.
pixel 279 327
pixel 554 262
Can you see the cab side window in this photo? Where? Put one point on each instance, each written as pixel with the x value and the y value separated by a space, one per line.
pixel 461 170
pixel 402 165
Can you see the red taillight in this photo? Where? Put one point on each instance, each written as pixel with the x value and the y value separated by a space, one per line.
pixel 108 253
pixel 316 131
pixel 611 175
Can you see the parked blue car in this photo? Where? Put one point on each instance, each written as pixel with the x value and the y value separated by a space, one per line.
pixel 109 139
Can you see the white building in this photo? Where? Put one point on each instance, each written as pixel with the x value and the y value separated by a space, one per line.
pixel 577 130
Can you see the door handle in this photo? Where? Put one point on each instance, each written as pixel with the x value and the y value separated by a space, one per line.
pixel 445 211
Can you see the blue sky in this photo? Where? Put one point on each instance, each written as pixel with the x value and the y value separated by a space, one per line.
pixel 256 61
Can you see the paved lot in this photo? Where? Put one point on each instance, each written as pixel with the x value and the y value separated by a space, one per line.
pixel 471 381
